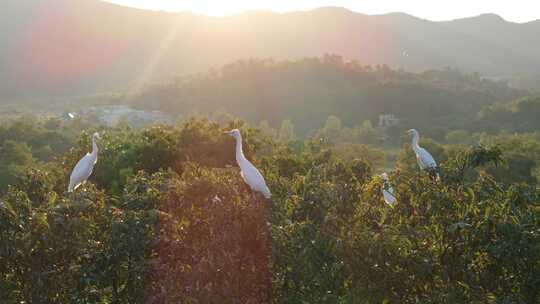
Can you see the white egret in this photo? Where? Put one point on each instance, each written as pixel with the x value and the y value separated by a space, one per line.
pixel 424 159
pixel 388 191
pixel 84 167
pixel 67 116
pixel 249 173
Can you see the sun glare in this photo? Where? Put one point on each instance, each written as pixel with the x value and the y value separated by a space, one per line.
pixel 205 7
pixel 224 8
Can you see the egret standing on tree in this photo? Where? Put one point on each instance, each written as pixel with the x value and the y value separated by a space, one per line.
pixel 84 167
pixel 249 173
pixel 424 159
pixel 388 191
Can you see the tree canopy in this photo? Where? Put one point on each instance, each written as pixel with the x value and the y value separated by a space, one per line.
pixel 167 218
pixel 309 90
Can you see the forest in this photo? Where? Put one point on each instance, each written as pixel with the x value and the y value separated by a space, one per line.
pixel 269 152
pixel 167 218
pixel 307 91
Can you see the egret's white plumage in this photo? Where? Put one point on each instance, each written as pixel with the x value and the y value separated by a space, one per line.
pixel 252 177
pixel 388 191
pixel 424 159
pixel 84 167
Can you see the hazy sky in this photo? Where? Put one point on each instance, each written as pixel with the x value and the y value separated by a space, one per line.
pixel 511 10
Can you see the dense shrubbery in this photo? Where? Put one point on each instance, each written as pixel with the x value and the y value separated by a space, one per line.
pixel 518 116
pixel 167 219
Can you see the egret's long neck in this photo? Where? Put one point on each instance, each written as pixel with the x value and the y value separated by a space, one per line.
pixel 239 152
pixel 94 147
pixel 415 142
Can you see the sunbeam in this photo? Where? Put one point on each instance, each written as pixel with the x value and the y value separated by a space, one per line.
pixel 155 59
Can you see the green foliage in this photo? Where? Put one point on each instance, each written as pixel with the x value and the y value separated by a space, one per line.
pixel 520 151
pixel 459 137
pixel 335 133
pixel 459 168
pixel 213 243
pixel 375 156
pixel 29 141
pixel 14 158
pixel 307 91
pixel 286 132
pixel 518 116
pixel 166 218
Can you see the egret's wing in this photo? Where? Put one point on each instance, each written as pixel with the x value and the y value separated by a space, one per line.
pixel 254 179
pixel 389 198
pixel 81 172
pixel 243 177
pixel 420 162
pixel 388 193
pixel 425 160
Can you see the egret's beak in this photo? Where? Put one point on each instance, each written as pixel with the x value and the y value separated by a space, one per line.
pixel 227 132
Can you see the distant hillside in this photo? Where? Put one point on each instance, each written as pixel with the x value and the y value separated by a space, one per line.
pixel 71 47
pixel 307 91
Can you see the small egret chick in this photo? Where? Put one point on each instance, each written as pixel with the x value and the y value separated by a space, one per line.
pixel 424 159
pixel 252 177
pixel 388 191
pixel 84 167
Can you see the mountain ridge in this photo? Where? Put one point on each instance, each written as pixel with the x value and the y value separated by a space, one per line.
pixel 330 7
pixel 84 46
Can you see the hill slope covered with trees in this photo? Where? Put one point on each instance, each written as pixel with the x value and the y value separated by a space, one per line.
pixel 307 91
pixel 83 48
